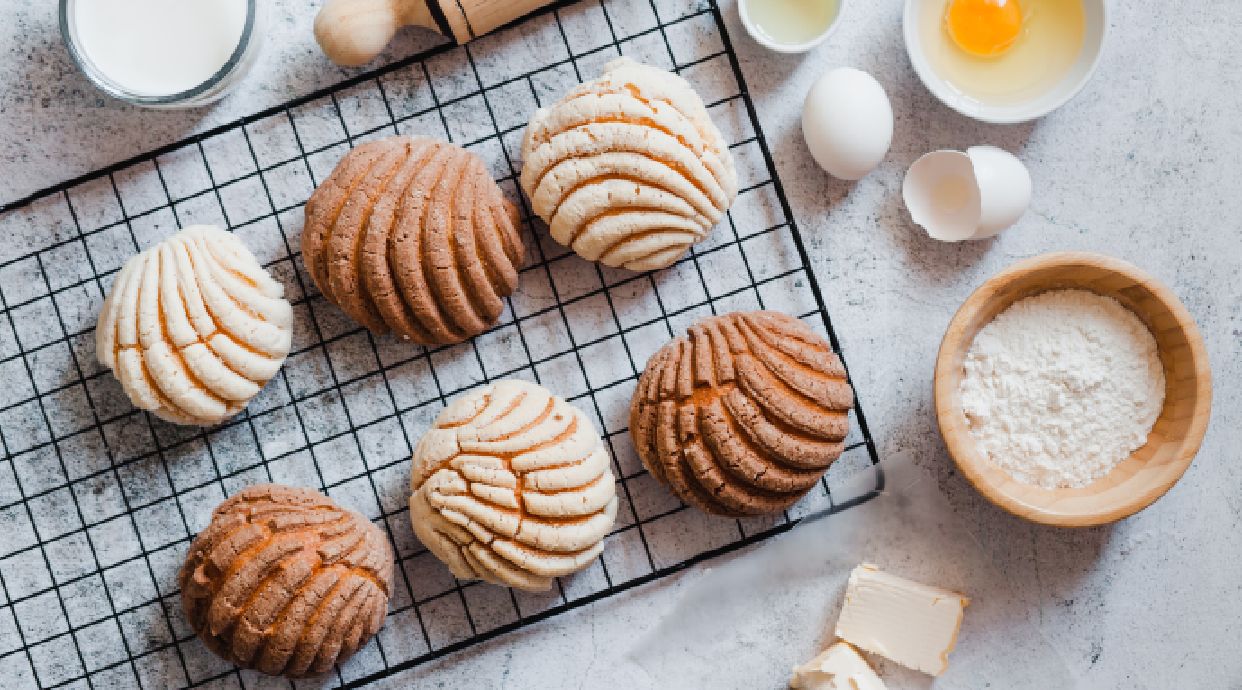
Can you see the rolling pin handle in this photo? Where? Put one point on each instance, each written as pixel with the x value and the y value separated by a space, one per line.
pixel 355 32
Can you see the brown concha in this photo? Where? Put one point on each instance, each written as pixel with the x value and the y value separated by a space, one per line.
pixel 286 582
pixel 744 414
pixel 412 235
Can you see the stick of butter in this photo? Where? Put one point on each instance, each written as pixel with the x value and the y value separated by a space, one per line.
pixel 840 667
pixel 910 623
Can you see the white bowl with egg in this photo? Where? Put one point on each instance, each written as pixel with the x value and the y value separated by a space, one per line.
pixel 1051 60
pixel 790 26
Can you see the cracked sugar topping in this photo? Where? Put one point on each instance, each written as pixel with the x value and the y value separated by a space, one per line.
pixel 1061 387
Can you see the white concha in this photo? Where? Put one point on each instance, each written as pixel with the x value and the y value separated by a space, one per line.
pixel 194 327
pixel 628 169
pixel 512 485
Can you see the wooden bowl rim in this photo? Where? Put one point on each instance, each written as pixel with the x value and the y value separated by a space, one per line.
pixel 947 378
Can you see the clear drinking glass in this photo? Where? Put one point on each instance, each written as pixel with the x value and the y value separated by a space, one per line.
pixel 215 88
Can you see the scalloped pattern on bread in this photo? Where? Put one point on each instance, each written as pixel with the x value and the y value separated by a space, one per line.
pixel 285 581
pixel 512 485
pixel 744 414
pixel 412 235
pixel 194 327
pixel 628 170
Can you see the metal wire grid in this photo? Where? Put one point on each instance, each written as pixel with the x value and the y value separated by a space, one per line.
pixel 98 502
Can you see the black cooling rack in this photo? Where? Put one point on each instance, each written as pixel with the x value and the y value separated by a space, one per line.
pixel 98 502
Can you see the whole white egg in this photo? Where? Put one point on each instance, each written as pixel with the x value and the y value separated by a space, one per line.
pixel 847 121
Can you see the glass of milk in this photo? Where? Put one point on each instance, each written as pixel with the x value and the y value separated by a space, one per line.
pixel 163 53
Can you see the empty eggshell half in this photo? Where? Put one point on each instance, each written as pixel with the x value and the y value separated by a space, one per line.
pixel 942 195
pixel 1004 188
pixel 957 196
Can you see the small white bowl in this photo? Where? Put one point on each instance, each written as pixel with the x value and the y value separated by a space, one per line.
pixel 1096 15
pixel 743 9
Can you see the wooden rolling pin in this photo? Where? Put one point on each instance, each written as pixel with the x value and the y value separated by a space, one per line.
pixel 354 32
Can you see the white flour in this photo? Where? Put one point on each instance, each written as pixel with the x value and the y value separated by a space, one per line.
pixel 1062 386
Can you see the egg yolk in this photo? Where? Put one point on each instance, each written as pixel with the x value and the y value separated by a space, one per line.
pixel 984 27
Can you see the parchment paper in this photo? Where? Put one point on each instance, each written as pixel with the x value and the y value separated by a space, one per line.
pixel 791 589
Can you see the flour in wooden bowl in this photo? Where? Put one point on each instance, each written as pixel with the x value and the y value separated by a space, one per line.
pixel 1061 387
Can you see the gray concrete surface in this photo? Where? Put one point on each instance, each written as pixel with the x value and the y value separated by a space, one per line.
pixel 1146 164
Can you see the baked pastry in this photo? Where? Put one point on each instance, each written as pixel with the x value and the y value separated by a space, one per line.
pixel 744 414
pixel 285 581
pixel 412 235
pixel 513 486
pixel 628 169
pixel 194 327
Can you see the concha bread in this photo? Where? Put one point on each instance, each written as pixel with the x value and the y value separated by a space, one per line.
pixel 194 327
pixel 744 414
pixel 285 581
pixel 512 485
pixel 412 235
pixel 628 169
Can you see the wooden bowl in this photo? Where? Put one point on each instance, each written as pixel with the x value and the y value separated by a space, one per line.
pixel 1151 470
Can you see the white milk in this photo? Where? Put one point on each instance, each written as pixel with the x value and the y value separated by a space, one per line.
pixel 159 47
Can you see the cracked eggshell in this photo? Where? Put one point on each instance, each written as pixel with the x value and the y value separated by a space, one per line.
pixel 943 196
pixel 847 122
pixel 1004 188
pixel 957 196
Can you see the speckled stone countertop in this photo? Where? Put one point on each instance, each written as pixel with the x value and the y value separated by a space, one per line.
pixel 1143 165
